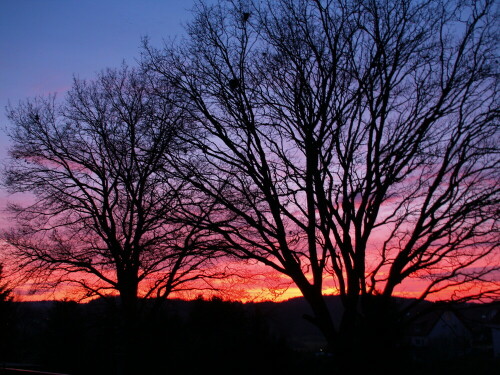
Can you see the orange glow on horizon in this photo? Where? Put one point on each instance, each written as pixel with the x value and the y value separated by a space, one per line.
pixel 248 282
pixel 230 289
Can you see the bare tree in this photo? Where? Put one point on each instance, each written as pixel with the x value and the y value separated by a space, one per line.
pixel 103 198
pixel 347 142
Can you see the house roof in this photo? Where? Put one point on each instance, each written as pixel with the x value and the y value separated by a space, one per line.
pixel 472 316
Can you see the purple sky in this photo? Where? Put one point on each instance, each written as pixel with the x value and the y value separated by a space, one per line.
pixel 44 43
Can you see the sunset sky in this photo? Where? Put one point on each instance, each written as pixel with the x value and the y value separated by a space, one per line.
pixel 44 43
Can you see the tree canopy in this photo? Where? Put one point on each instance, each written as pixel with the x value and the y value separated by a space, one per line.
pixel 97 166
pixel 346 142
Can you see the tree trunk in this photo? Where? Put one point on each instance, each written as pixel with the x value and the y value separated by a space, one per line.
pixel 128 356
pixel 322 317
pixel 368 336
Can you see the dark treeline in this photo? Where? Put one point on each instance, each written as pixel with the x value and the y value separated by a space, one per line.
pixel 183 338
pixel 224 337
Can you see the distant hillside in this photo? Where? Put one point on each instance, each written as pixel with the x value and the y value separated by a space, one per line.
pixel 193 337
pixel 285 320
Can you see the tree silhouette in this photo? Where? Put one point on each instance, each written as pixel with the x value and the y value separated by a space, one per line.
pixel 5 291
pixel 7 313
pixel 346 143
pixel 101 215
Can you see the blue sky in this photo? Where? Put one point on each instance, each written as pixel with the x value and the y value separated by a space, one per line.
pixel 44 43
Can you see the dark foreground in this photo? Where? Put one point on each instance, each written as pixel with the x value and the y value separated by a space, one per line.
pixel 196 337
